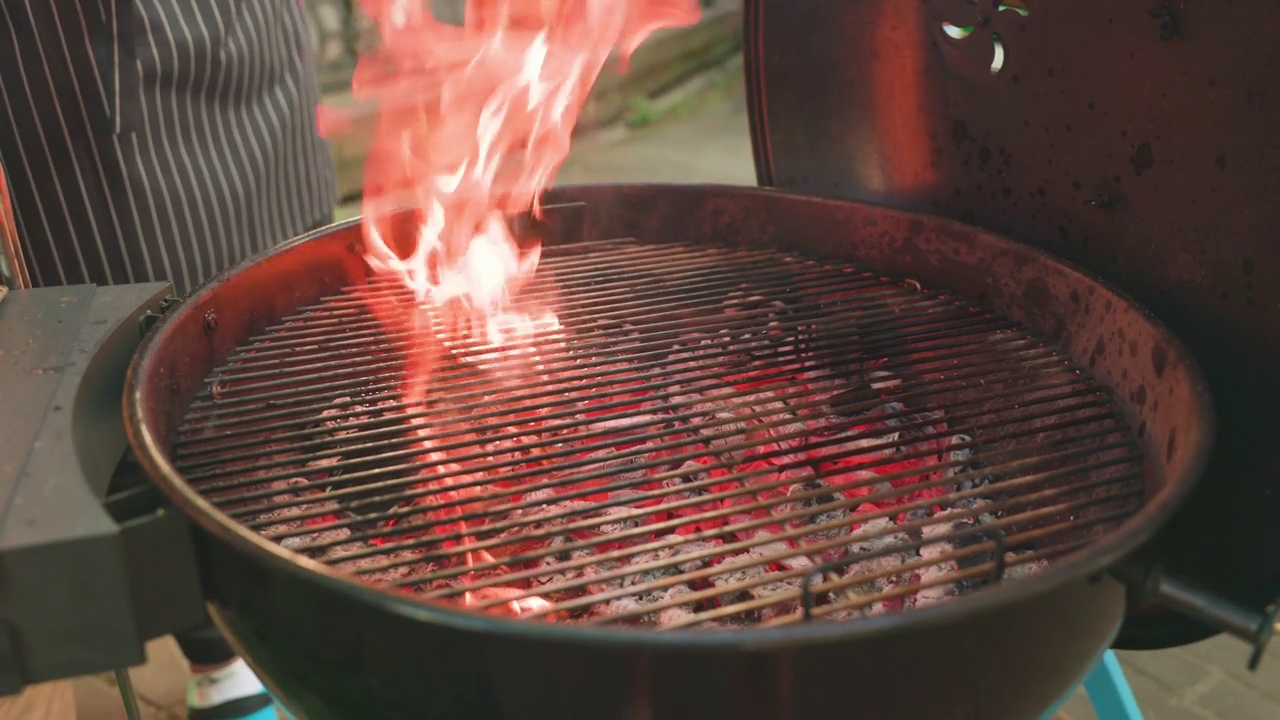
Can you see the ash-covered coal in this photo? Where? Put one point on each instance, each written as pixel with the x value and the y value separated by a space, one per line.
pixel 705 505
pixel 312 526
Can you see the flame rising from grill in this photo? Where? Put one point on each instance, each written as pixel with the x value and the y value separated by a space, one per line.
pixel 472 124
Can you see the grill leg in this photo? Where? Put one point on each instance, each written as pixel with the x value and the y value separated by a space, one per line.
pixel 125 683
pixel 1109 691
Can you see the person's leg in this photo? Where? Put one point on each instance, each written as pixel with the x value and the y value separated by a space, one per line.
pixel 205 648
pixel 222 686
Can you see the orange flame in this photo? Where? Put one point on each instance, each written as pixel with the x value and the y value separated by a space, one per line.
pixel 472 124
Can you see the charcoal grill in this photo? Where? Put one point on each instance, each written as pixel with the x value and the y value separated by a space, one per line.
pixel 919 449
pixel 903 361
pixel 699 419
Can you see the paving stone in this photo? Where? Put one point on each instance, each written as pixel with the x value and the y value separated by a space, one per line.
pixel 97 700
pixel 163 679
pixel 1157 704
pixel 54 700
pixel 1173 669
pixel 1232 701
pixel 1232 657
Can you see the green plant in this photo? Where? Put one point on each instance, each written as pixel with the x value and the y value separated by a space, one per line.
pixel 640 112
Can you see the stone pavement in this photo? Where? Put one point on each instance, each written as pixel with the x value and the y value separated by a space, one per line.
pixel 706 140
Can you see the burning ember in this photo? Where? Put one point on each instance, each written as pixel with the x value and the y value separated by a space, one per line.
pixel 724 474
pixel 709 502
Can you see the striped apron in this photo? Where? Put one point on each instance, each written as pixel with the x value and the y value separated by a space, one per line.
pixel 157 139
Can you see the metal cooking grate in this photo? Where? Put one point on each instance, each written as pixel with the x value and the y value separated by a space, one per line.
pixel 715 438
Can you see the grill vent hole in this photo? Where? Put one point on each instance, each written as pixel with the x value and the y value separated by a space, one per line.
pixel 962 32
pixel 997 55
pixel 1018 6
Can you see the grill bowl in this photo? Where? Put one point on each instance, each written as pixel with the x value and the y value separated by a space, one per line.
pixel 335 647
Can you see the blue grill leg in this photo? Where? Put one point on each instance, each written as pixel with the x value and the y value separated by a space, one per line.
pixel 1109 691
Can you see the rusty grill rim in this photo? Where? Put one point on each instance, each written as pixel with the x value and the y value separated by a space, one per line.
pixel 1090 559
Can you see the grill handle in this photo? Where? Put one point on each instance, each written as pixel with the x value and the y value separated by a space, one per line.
pixel 1149 584
pixel 164 581
pixel 85 579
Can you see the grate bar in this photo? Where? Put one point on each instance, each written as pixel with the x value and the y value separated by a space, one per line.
pixel 710 289
pixel 598 286
pixel 588 390
pixel 656 344
pixel 671 525
pixel 995 468
pixel 1044 512
pixel 715 437
pixel 861 601
pixel 867 319
pixel 666 390
pixel 809 529
pixel 401 486
pixel 652 354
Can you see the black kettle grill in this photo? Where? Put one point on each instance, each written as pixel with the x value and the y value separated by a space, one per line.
pixel 924 166
pixel 1121 138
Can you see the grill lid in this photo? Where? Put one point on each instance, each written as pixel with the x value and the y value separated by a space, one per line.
pixel 1127 138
